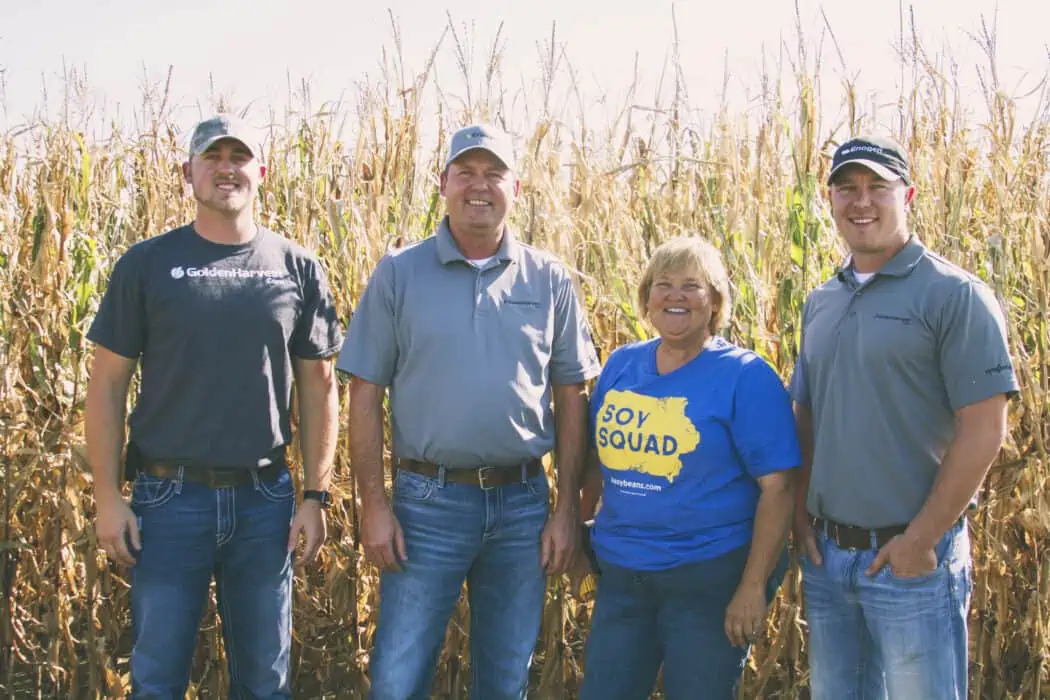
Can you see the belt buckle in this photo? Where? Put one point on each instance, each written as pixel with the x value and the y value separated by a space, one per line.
pixel 483 473
pixel 211 479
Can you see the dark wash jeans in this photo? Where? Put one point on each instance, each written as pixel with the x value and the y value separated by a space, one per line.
pixel 455 532
pixel 674 617
pixel 191 532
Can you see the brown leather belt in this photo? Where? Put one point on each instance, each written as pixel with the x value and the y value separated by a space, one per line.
pixel 853 537
pixel 216 477
pixel 483 477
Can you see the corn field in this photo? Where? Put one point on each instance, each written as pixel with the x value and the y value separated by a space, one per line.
pixel 350 181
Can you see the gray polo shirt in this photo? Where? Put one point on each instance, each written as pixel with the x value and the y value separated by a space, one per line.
pixel 883 368
pixel 470 355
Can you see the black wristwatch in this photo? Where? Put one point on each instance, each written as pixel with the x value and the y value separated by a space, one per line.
pixel 323 497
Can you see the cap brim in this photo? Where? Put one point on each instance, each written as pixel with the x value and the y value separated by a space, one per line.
pixel 478 147
pixel 219 137
pixel 877 168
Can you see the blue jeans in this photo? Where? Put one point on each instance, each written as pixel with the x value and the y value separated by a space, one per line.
pixel 883 636
pixel 191 532
pixel 675 617
pixel 456 532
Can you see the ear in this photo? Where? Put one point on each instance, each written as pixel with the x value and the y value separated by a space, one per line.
pixel 186 171
pixel 517 187
pixel 716 310
pixel 262 171
pixel 444 180
pixel 910 194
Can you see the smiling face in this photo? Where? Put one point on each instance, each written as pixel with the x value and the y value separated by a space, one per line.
pixel 479 190
pixel 870 214
pixel 684 291
pixel 225 177
pixel 681 305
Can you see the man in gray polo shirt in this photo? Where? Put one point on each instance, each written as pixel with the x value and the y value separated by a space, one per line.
pixel 901 391
pixel 474 334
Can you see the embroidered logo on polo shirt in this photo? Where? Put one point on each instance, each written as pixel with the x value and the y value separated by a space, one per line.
pixel 890 317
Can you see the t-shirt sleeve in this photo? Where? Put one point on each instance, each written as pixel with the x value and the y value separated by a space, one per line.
pixel 763 425
pixel 974 354
pixel 120 324
pixel 573 358
pixel 317 333
pixel 799 388
pixel 370 348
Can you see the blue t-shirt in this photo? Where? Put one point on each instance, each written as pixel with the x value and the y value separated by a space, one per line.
pixel 681 452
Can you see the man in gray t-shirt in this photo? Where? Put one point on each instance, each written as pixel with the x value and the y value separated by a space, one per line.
pixel 482 345
pixel 901 393
pixel 222 316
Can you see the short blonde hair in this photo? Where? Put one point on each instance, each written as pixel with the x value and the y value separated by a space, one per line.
pixel 690 253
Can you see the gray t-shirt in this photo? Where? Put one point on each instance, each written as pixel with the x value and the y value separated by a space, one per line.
pixel 883 368
pixel 216 327
pixel 470 355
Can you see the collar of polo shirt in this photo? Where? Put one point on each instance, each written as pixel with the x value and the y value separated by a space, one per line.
pixel 900 265
pixel 449 252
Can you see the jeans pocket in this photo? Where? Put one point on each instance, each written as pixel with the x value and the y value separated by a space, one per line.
pixel 911 581
pixel 278 491
pixel 539 488
pixel 151 491
pixel 409 486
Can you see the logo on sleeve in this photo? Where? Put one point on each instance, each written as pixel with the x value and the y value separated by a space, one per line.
pixel 645 434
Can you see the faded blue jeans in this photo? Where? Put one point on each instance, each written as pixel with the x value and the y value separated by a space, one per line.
pixel 878 637
pixel 455 532
pixel 191 532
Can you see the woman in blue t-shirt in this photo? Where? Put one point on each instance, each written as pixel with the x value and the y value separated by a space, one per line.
pixel 695 439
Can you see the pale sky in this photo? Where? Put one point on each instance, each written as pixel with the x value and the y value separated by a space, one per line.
pixel 250 48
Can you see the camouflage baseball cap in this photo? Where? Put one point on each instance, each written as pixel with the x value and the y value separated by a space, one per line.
pixel 224 126
pixel 485 137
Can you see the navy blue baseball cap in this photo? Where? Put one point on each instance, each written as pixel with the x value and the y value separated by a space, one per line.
pixel 884 157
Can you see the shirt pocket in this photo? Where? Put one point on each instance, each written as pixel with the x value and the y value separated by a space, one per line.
pixel 527 316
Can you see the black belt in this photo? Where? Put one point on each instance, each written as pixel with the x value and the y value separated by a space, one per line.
pixel 853 537
pixel 216 477
pixel 484 477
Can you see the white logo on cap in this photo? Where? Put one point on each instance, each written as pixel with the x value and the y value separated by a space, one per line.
pixel 177 273
pixel 870 149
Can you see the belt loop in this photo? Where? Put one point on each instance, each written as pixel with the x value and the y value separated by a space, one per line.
pixel 255 479
pixel 442 472
pixel 180 477
pixel 873 536
pixel 525 471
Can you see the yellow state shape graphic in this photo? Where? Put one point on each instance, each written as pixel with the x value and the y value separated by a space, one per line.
pixel 646 434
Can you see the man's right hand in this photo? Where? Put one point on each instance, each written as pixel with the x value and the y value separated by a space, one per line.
pixel 115 526
pixel 382 537
pixel 806 539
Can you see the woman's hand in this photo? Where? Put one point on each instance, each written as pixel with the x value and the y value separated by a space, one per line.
pixel 746 614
